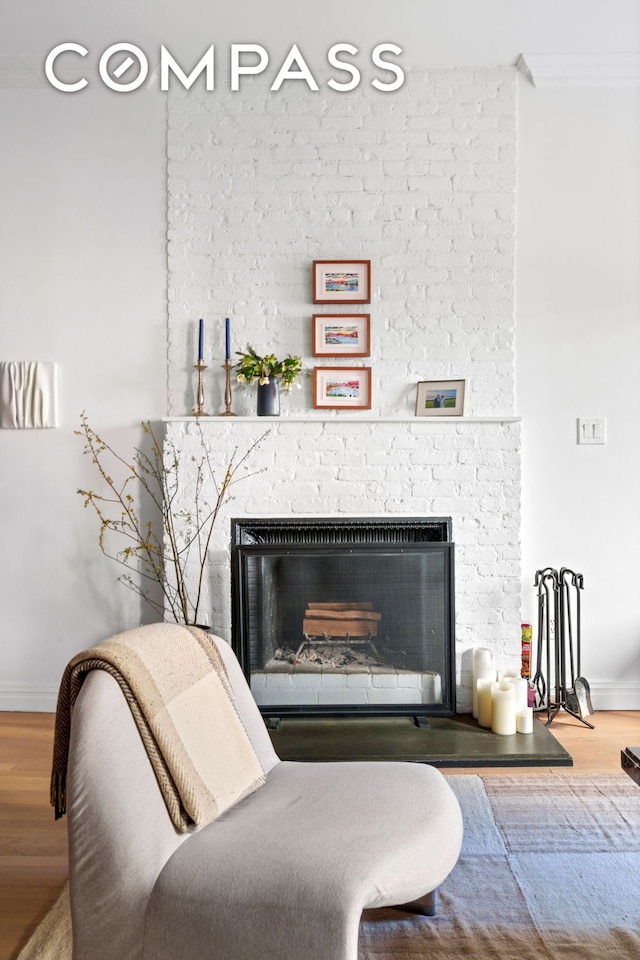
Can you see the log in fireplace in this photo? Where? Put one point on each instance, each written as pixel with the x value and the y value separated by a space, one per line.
pixel 340 616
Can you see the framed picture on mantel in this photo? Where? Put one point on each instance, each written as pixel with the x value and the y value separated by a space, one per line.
pixel 341 281
pixel 440 398
pixel 344 388
pixel 341 335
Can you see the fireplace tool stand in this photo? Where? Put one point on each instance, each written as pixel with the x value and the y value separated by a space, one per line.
pixel 558 681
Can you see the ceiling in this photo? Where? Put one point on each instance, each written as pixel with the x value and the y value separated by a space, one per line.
pixel 431 32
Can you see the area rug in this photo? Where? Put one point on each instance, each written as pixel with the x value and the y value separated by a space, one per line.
pixel 549 870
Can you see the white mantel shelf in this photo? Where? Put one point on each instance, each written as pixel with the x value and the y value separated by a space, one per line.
pixel 342 418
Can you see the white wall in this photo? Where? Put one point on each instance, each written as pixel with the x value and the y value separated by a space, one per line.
pixel 578 355
pixel 83 277
pixel 82 256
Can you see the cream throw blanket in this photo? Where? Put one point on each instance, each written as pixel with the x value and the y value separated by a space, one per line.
pixel 176 685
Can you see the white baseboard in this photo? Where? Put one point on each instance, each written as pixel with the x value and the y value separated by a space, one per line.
pixel 28 697
pixel 40 698
pixel 615 694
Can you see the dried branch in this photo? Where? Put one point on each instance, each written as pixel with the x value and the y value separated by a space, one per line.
pixel 159 476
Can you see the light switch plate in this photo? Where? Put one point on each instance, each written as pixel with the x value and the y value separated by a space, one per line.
pixel 592 430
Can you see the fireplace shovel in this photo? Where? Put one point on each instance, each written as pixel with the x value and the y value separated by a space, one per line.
pixel 578 697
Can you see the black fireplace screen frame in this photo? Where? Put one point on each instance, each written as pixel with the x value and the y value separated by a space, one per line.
pixel 248 551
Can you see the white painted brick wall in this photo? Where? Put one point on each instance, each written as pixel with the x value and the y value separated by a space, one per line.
pixel 371 468
pixel 309 687
pixel 422 183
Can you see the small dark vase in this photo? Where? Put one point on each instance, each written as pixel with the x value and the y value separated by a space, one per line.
pixel 269 398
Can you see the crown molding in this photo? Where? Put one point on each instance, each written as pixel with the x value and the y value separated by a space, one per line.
pixel 581 69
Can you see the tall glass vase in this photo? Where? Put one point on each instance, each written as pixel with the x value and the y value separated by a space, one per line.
pixel 269 398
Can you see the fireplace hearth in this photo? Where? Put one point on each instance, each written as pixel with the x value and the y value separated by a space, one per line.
pixel 345 616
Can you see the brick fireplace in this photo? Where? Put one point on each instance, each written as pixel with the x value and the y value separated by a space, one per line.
pixel 467 471
pixel 422 184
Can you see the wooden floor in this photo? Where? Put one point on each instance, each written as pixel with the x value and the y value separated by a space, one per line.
pixel 33 846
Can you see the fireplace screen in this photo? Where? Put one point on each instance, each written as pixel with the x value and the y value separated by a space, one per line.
pixel 337 628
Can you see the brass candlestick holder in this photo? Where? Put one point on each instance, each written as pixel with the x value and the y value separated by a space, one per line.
pixel 226 366
pixel 198 410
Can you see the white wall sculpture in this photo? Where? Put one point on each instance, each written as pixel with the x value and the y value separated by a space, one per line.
pixel 27 394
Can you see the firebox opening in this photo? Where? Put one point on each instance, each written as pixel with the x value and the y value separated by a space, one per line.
pixel 336 628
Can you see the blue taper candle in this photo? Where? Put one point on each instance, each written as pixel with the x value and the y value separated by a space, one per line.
pixel 201 340
pixel 227 337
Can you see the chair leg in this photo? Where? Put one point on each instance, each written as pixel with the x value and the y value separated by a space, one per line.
pixel 426 906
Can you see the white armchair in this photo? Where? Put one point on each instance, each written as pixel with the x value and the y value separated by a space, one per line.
pixel 284 874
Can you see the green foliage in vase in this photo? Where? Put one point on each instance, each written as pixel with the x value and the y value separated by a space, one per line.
pixel 252 367
pixel 172 553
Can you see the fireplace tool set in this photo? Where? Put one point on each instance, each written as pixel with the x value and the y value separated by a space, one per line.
pixel 558 682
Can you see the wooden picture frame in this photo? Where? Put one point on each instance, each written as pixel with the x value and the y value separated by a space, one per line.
pixel 341 334
pixel 342 388
pixel 342 281
pixel 440 398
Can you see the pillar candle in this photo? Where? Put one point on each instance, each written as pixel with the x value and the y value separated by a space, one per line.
pixel 482 669
pixel 227 338
pixel 522 688
pixel 484 702
pixel 524 720
pixel 201 340
pixel 503 708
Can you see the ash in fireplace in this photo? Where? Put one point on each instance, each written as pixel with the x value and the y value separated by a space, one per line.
pixel 332 655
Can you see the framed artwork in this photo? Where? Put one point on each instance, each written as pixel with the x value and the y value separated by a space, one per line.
pixel 344 388
pixel 341 281
pixel 341 334
pixel 440 398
